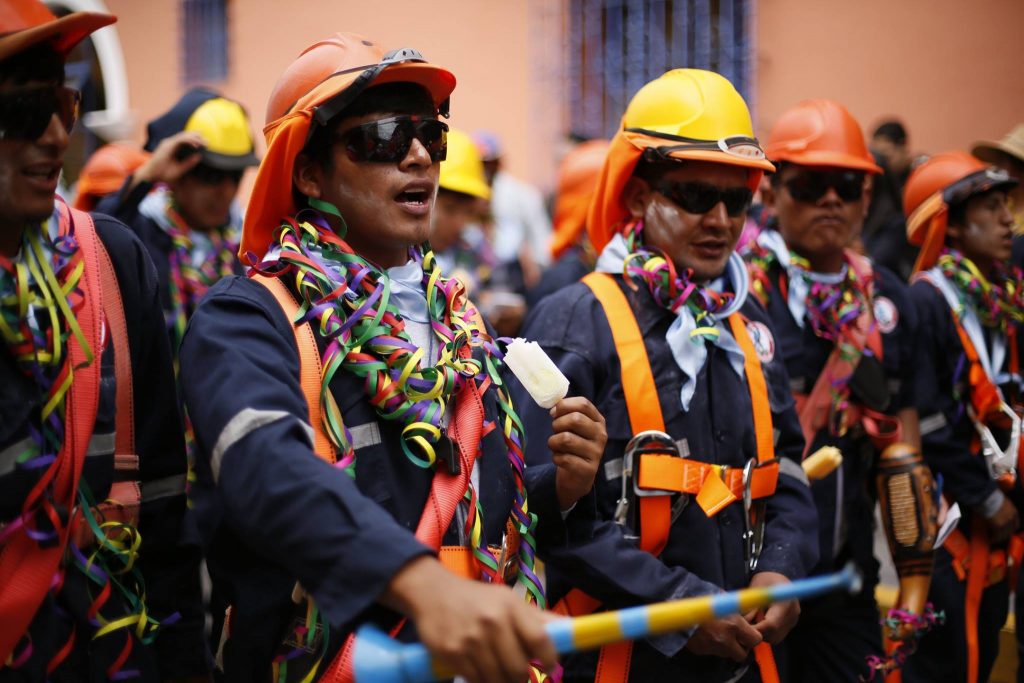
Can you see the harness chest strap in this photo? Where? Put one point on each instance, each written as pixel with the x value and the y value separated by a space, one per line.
pixel 668 473
pixel 310 365
pixel 985 395
pixel 125 497
pixel 26 569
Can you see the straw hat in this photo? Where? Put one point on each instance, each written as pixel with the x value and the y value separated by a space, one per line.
pixel 1012 144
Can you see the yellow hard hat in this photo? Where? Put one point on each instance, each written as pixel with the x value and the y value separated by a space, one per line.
pixel 222 123
pixel 463 170
pixel 683 114
pixel 225 130
pixel 694 114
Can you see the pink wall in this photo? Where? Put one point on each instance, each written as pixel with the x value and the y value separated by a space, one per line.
pixel 486 44
pixel 950 68
pixel 953 70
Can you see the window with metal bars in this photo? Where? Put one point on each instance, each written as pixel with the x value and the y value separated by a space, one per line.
pixel 205 40
pixel 616 46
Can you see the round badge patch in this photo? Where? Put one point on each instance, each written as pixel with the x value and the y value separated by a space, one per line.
pixel 764 342
pixel 886 314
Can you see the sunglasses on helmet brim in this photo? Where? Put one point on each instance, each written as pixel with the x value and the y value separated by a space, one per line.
pixel 739 146
pixel 337 104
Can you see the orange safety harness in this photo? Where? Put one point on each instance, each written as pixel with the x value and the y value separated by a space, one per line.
pixel 715 486
pixel 447 489
pixel 973 560
pixel 26 569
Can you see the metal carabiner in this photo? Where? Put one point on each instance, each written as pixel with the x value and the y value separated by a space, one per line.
pixel 1000 461
pixel 753 518
pixel 650 441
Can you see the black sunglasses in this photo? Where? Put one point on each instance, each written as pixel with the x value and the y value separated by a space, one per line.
pixel 389 140
pixel 208 175
pixel 25 113
pixel 701 197
pixel 811 186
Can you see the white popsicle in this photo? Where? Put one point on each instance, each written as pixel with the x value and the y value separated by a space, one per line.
pixel 538 373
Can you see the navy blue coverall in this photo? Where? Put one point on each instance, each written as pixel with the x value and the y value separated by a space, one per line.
pixel 270 512
pixel 170 567
pixel 703 555
pixel 836 633
pixel 946 435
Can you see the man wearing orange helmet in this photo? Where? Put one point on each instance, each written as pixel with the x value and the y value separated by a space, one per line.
pixel 348 403
pixel 846 331
pixel 970 309
pixel 95 583
pixel 701 469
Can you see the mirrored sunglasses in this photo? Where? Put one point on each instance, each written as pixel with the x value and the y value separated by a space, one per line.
pixel 389 140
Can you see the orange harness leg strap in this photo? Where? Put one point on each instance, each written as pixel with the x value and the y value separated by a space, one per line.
pixel 977 575
pixel 26 569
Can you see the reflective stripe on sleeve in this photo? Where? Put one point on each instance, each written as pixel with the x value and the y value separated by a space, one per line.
pixel 241 425
pixel 790 467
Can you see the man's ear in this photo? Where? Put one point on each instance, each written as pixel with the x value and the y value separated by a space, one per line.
pixel 954 232
pixel 635 196
pixel 307 176
pixel 869 192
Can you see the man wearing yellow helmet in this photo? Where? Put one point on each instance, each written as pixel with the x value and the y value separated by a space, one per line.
pixel 664 337
pixel 351 419
pixel 180 200
pixel 460 244
pixel 462 196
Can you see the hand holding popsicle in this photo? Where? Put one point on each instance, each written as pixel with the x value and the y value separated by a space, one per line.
pixel 578 429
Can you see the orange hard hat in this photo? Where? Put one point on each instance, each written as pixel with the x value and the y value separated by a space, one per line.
pixel 820 133
pixel 933 187
pixel 326 78
pixel 683 114
pixel 105 172
pixel 26 23
pixel 577 178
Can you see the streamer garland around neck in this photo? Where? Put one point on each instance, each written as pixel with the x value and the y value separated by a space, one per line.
pixel 671 288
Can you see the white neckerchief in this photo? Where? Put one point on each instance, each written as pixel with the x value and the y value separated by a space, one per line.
pixel 800 280
pixel 992 364
pixel 690 353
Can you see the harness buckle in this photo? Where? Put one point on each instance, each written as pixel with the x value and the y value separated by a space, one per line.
pixel 650 442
